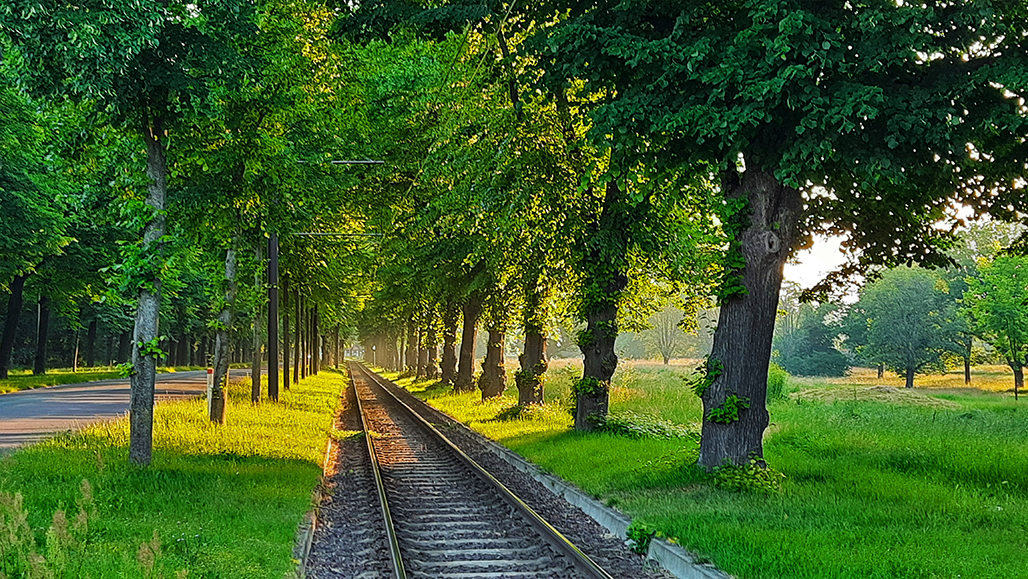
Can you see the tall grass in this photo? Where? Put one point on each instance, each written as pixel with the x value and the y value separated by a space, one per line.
pixel 890 487
pixel 220 501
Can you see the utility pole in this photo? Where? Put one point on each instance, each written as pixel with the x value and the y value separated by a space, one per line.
pixel 273 369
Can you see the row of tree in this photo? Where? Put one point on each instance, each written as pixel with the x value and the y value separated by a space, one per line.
pixel 596 160
pixel 543 162
pixel 910 320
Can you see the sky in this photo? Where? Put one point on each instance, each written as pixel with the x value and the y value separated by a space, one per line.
pixel 810 265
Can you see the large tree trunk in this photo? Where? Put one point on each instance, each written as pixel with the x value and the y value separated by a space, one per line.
pixel 738 364
pixel 144 360
pixel 91 344
pixel 448 368
pixel 42 332
pixel 606 266
pixel 533 366
pixel 910 377
pixel 431 347
pixel 219 395
pixel 465 380
pixel 493 380
pixel 533 360
pixel 592 393
pixel 14 305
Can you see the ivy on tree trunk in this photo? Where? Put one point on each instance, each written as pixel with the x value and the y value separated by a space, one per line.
pixel 219 397
pixel 145 336
pixel 763 228
pixel 464 381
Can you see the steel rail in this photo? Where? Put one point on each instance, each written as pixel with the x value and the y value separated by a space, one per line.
pixel 394 546
pixel 581 561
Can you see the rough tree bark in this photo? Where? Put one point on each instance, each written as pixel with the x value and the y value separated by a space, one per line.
pixel 42 333
pixel 493 380
pixel 533 360
pixel 768 231
pixel 448 367
pixel 606 265
pixel 464 381
pixel 221 339
pixel 144 361
pixel 14 305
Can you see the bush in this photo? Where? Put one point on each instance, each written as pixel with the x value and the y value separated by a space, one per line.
pixel 776 377
pixel 634 425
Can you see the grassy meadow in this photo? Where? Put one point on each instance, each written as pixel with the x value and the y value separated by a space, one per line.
pixel 878 481
pixel 217 501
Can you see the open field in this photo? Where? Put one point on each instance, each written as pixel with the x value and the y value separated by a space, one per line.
pixel 932 483
pixel 222 501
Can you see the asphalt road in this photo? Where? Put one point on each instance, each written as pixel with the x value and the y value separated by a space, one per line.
pixel 32 415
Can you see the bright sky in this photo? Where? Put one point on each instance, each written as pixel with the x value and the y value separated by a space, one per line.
pixel 814 263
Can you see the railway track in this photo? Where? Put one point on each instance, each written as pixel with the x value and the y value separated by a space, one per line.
pixel 444 516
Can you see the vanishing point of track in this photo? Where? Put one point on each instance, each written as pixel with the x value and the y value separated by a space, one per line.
pixel 445 516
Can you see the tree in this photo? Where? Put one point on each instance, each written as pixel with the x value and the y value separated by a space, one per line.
pixel 996 302
pixel 804 342
pixel 865 119
pixel 33 225
pixel 909 319
pixel 145 66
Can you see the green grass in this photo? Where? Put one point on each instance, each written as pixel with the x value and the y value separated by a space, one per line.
pixel 224 501
pixel 891 487
pixel 24 380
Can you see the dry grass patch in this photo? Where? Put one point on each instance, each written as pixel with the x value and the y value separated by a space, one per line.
pixel 997 378
pixel 886 394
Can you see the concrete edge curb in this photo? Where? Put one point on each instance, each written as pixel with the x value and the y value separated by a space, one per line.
pixel 671 557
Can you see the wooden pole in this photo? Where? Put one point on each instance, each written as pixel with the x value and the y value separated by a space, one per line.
pixel 273 368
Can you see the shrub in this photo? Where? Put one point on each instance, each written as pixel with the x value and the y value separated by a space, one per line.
pixel 634 425
pixel 776 377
